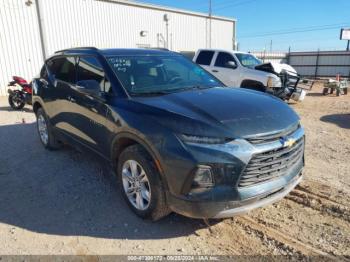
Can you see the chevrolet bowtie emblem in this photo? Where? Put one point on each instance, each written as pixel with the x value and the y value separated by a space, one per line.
pixel 287 142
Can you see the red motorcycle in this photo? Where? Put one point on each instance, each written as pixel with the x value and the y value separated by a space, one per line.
pixel 19 97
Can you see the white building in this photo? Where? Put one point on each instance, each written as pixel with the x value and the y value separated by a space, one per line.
pixel 33 29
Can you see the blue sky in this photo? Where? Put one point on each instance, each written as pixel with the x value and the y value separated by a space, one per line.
pixel 315 23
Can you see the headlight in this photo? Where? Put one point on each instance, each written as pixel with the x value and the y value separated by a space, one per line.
pixel 203 139
pixel 273 82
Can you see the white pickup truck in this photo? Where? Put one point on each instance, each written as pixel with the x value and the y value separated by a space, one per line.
pixel 238 69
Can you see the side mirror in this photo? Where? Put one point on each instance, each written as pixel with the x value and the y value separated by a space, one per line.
pixel 231 64
pixel 91 87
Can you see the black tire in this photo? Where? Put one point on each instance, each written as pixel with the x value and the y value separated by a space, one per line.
pixel 52 143
pixel 13 104
pixel 338 92
pixel 157 207
pixel 332 91
pixel 253 85
pixel 345 91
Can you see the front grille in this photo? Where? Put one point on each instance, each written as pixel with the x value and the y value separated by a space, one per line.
pixel 271 164
pixel 272 137
pixel 289 80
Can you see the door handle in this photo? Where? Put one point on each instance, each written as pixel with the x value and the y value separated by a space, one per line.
pixel 215 71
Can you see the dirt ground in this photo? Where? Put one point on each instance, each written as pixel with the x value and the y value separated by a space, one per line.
pixel 66 202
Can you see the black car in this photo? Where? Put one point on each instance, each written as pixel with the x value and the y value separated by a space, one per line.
pixel 177 139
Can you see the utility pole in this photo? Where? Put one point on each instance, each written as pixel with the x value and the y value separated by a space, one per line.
pixel 41 30
pixel 288 56
pixel 166 19
pixel 210 13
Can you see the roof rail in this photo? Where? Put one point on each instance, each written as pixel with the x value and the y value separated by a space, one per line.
pixel 77 48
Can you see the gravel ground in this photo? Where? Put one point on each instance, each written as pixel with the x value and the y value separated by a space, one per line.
pixel 67 202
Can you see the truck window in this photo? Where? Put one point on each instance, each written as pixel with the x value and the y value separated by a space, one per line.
pixel 223 59
pixel 205 57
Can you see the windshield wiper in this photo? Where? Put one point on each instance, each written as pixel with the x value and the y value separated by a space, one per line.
pixel 150 93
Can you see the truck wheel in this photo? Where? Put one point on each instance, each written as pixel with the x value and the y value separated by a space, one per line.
pixel 345 91
pixel 140 183
pixel 253 85
pixel 332 91
pixel 46 135
pixel 338 92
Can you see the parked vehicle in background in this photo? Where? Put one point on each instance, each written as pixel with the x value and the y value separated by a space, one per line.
pixel 238 69
pixel 20 92
pixel 178 139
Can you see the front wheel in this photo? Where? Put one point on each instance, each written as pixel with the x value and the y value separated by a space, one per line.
pixel 140 183
pixel 16 100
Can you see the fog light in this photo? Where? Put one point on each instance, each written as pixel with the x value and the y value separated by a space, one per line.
pixel 203 177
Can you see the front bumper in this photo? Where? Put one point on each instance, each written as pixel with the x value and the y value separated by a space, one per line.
pixel 230 208
pixel 229 199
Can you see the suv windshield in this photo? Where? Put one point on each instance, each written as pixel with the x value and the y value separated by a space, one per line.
pixel 248 60
pixel 159 74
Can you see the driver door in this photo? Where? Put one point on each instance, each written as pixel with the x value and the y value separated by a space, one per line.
pixel 89 97
pixel 225 71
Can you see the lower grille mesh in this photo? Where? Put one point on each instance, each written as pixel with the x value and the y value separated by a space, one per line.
pixel 272 164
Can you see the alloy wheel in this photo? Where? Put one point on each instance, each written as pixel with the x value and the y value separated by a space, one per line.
pixel 136 184
pixel 42 127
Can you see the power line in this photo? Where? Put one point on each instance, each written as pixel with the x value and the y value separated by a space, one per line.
pixel 298 30
pixel 233 4
pixel 305 27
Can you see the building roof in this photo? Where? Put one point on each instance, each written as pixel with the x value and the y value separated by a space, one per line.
pixel 169 9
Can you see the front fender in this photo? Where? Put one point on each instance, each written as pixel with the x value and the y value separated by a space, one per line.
pixel 143 141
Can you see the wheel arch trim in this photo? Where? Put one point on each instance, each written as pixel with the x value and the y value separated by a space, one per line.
pixel 145 144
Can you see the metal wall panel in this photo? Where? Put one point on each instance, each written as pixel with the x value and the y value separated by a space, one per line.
pixel 20 49
pixel 319 64
pixel 111 24
pixel 302 60
pixel 100 23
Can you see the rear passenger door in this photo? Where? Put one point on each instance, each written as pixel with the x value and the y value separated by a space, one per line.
pixel 62 78
pixel 91 88
pixel 204 59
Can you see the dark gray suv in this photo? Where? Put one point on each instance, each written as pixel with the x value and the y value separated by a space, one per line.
pixel 177 139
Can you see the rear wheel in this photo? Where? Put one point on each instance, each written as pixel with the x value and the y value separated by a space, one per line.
pixel 16 100
pixel 46 135
pixel 140 183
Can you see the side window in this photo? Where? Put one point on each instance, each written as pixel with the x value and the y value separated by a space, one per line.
pixel 63 68
pixel 43 73
pixel 205 57
pixel 90 74
pixel 223 58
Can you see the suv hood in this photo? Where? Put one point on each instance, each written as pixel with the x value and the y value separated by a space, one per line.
pixel 230 112
pixel 276 68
